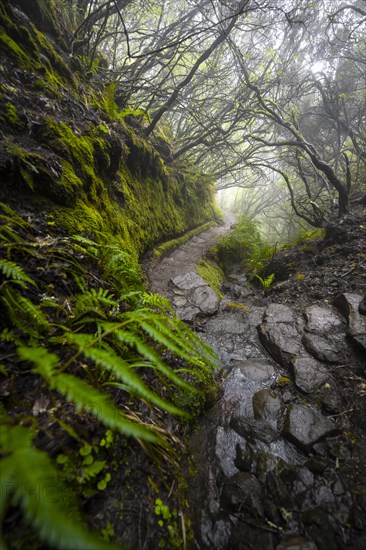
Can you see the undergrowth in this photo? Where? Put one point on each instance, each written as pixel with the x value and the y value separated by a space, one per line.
pixel 243 247
pixel 79 333
pixel 212 274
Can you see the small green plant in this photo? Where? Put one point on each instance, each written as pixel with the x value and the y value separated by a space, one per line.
pixel 212 274
pixel 243 247
pixel 266 282
pixel 168 519
pixel 102 336
pixel 283 381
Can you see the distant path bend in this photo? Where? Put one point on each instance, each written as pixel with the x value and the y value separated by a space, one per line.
pixel 184 259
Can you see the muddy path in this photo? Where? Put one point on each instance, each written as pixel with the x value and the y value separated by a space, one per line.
pixel 280 459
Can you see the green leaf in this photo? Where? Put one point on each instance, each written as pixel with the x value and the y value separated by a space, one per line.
pixel 15 273
pixel 35 485
pixel 84 396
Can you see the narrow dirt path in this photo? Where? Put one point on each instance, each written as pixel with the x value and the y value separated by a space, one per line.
pixel 279 465
pixel 185 258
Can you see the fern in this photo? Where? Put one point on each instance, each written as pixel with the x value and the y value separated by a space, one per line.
pixel 84 396
pixel 107 358
pixel 26 316
pixel 176 337
pixel 97 301
pixel 15 273
pixel 157 302
pixel 266 281
pixel 152 356
pixel 33 482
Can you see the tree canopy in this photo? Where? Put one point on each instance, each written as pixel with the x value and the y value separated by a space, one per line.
pixel 252 91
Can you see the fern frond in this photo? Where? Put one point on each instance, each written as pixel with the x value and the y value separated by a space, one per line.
pixel 15 273
pixel 124 372
pixel 84 396
pixel 26 316
pixel 156 301
pixel 34 483
pixel 175 338
pixel 151 355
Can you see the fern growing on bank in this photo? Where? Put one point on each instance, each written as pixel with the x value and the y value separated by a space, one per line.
pixel 29 479
pixel 100 346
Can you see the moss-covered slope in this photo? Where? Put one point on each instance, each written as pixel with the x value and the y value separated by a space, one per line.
pixel 67 150
pixel 98 379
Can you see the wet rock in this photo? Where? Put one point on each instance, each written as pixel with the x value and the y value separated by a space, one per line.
pixel 179 301
pixel 296 543
pixel 325 348
pixel 322 320
pixel 305 427
pixel 330 398
pixel 257 371
pixel 309 374
pixel 223 324
pixel 267 406
pixel 225 450
pixel 188 313
pixel 279 313
pixel 253 429
pixel 324 334
pixel 188 281
pixel 215 534
pixel 282 340
pixel 205 299
pixel 243 492
pixel 362 306
pixel 321 529
pixel 349 305
pixel 316 464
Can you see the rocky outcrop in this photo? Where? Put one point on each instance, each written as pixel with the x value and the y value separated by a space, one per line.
pixel 267 483
pixel 192 296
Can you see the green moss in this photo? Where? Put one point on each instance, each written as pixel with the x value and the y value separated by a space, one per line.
pixel 236 305
pixel 283 381
pixel 56 63
pixel 69 181
pixel 11 114
pixel 9 46
pixel 212 274
pixel 162 249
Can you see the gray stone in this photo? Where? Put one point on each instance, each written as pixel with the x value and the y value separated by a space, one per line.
pixel 179 301
pixel 322 320
pixel 188 313
pixel 243 492
pixel 205 299
pixel 267 406
pixel 349 306
pixel 324 334
pixel 304 426
pixel 224 325
pixel 189 281
pixel 325 348
pixel 279 313
pixel 253 429
pixel 225 450
pixel 309 373
pixel 257 371
pixel 282 341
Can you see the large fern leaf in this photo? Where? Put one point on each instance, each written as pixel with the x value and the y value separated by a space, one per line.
pixel 132 339
pixel 108 359
pixel 33 482
pixel 15 273
pixel 84 396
